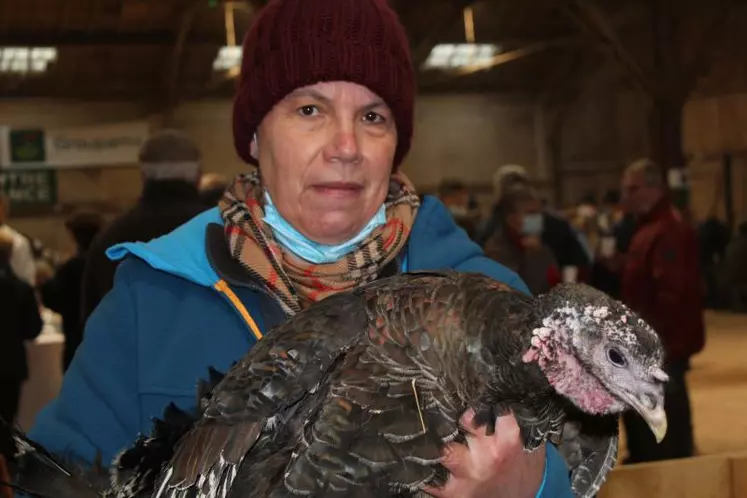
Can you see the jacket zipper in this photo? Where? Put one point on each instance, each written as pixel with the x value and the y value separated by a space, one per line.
pixel 223 287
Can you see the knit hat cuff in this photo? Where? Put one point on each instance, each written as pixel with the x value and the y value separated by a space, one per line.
pixel 280 73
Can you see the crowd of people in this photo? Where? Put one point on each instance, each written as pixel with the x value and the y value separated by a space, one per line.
pixel 176 285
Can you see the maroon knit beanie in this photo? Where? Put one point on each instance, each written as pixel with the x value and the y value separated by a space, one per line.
pixel 295 43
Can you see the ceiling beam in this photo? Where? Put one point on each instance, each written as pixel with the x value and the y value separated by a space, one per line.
pixel 594 21
pixel 106 38
pixel 422 48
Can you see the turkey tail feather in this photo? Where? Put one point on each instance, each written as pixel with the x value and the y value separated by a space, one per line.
pixel 137 469
pixel 39 473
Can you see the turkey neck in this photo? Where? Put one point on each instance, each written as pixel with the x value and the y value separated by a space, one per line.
pixel 495 333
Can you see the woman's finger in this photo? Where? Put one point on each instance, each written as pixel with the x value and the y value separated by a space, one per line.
pixel 436 492
pixel 507 430
pixel 467 422
pixel 456 458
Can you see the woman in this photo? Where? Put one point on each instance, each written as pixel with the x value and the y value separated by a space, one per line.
pixel 325 109
pixel 517 243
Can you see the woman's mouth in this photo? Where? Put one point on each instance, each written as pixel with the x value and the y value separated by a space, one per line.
pixel 339 189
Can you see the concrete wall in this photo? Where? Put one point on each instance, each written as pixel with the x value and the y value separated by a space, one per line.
pixel 457 136
pixel 603 131
pixel 464 136
pixel 714 126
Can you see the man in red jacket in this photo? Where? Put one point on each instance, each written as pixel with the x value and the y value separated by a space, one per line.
pixel 661 281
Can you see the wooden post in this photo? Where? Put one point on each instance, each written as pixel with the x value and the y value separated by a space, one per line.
pixel 728 191
pixel 666 134
pixel 174 63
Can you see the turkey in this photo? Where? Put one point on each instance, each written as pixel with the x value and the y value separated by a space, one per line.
pixel 357 395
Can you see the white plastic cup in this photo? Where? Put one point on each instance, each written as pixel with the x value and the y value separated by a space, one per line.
pixel 570 274
pixel 609 246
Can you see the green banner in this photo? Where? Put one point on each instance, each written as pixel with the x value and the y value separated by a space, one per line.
pixel 27 146
pixel 30 190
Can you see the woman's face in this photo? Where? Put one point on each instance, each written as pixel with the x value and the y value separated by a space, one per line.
pixel 325 153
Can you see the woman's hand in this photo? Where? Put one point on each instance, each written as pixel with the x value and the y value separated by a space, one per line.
pixel 491 466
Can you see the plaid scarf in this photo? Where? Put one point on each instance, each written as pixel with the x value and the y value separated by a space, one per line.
pixel 294 282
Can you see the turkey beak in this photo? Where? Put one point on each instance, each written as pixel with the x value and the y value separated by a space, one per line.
pixel 657 421
pixel 656 418
pixel 651 408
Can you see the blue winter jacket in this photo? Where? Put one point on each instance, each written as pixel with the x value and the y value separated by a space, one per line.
pixel 179 305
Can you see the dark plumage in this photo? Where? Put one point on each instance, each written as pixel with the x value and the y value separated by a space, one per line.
pixel 134 472
pixel 357 395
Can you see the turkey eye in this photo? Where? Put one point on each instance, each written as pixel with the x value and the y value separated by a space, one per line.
pixel 616 358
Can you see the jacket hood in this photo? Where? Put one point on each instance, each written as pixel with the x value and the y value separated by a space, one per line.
pixel 181 252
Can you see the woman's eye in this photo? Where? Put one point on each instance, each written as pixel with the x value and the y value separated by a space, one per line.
pixel 308 110
pixel 373 117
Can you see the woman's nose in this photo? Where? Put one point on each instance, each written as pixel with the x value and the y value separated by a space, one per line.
pixel 344 146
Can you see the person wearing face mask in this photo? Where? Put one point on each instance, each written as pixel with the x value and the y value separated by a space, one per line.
pixel 456 198
pixel 518 244
pixel 557 232
pixel 324 110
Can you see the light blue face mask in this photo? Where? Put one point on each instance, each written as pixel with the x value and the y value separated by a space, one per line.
pixel 532 224
pixel 305 248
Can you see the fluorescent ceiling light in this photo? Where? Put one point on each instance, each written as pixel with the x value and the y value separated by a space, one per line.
pixel 22 60
pixel 228 57
pixel 459 55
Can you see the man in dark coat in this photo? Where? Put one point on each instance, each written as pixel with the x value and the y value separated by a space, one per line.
pixel 21 322
pixel 62 293
pixel 661 281
pixel 170 165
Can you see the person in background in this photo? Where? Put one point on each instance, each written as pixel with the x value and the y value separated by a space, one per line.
pixel 325 110
pixel 456 198
pixel 713 239
pixel 605 275
pixel 587 207
pixel 63 292
pixel 21 322
pixel 661 281
pixel 610 212
pixel 212 186
pixel 517 243
pixel 170 167
pixel 731 275
pixel 585 221
pixel 22 260
pixel 557 233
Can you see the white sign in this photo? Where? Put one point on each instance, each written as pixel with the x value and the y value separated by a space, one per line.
pixel 114 144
